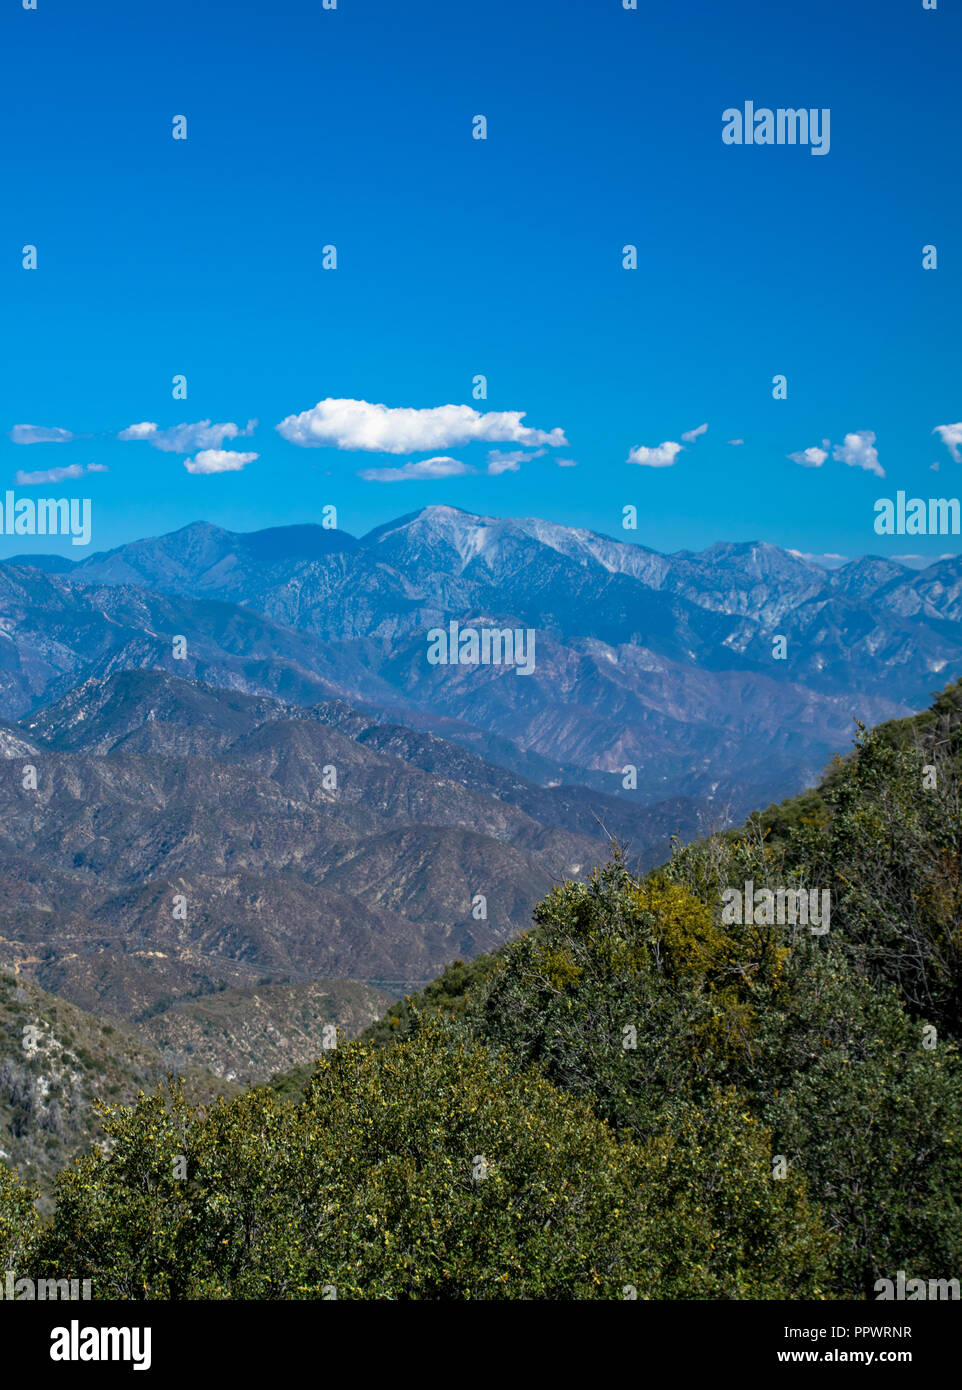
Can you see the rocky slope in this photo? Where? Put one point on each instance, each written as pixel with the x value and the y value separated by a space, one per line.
pixel 246 1035
pixel 56 1061
pixel 161 839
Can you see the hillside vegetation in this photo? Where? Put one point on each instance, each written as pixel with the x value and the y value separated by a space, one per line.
pixel 56 1062
pixel 245 1035
pixel 646 1095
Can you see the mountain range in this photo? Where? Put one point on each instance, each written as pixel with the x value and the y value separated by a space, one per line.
pixel 306 842
pixel 239 804
pixel 662 663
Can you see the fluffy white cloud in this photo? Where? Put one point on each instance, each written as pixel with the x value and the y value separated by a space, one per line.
pixel 39 434
pixel 350 424
pixel 951 436
pixel 184 439
pixel 440 467
pixel 691 435
pixel 567 463
pixel 142 431
pixel 736 441
pixel 658 456
pixel 810 458
pixel 218 461
pixel 859 451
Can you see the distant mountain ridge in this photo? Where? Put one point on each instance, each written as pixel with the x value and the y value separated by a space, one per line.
pixel 661 663
pixel 202 554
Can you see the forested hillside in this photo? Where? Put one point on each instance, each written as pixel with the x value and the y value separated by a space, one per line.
pixel 56 1062
pixel 667 1088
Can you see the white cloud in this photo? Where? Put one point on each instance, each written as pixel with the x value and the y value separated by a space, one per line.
pixel 951 436
pixel 691 435
pixel 142 431
pixel 440 467
pixel 660 456
pixel 350 424
pixel 829 560
pixel 810 458
pixel 511 461
pixel 859 451
pixel 218 461
pixel 48 475
pixel 736 441
pixel 39 434
pixel 184 439
pixel 57 475
pixel 567 463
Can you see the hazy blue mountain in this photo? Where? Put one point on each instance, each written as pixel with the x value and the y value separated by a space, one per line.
pixel 663 663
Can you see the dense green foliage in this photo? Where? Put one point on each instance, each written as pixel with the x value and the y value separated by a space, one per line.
pixel 884 832
pixel 634 999
pixel 444 998
pixel 638 1097
pixel 430 1169
pixel 18 1219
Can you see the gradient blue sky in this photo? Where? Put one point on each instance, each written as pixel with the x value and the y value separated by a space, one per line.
pixel 501 257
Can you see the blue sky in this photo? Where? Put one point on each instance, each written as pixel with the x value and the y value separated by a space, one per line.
pixel 502 257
